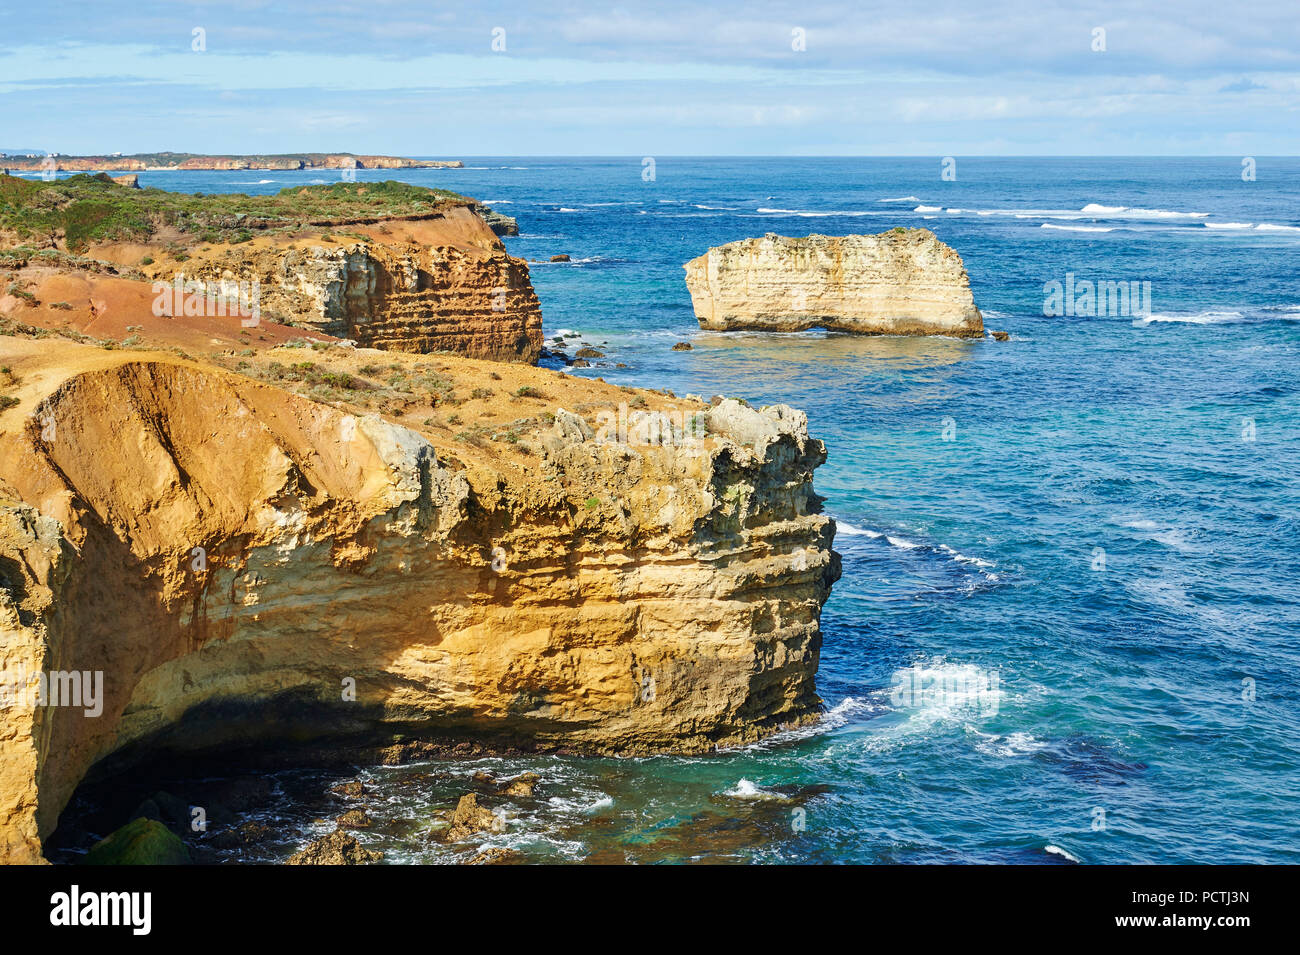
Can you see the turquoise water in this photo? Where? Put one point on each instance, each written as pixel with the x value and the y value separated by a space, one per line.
pixel 1096 568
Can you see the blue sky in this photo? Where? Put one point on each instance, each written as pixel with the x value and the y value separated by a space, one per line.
pixel 675 78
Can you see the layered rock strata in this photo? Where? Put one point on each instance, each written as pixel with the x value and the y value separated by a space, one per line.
pixel 446 284
pixel 902 282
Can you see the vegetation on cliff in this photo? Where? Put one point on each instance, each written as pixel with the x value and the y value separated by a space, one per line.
pixel 86 209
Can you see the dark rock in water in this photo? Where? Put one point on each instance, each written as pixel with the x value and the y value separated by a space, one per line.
pixel 589 353
pixel 561 258
pixel 1090 761
pixel 247 834
pixel 1000 336
pixel 140 842
pixel 353 787
pixel 525 784
pixel 683 346
pixel 338 848
pixel 353 819
pixel 468 818
pixel 242 793
pixel 172 811
pixel 494 855
pixel 580 363
pixel 620 364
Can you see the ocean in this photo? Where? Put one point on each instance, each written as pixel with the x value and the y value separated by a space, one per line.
pixel 1069 622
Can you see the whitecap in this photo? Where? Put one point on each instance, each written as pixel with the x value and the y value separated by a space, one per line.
pixel 1076 228
pixel 1127 212
pixel 1008 745
pixel 962 558
pixel 1210 317
pixel 901 199
pixel 903 543
pixel 1058 851
pixel 748 790
pixel 928 209
pixel 844 527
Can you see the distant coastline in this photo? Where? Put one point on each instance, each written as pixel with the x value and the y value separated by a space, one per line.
pixel 155 162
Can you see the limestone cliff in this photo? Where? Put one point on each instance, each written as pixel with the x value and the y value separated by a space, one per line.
pixel 244 565
pixel 441 284
pixel 902 282
pixel 386 264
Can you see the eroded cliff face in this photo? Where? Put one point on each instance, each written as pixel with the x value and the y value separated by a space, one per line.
pixel 902 282
pixel 442 284
pixel 439 283
pixel 244 565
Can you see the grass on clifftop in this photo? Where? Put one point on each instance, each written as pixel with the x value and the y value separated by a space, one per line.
pixel 86 209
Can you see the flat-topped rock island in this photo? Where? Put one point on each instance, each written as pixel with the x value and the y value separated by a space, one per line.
pixel 901 282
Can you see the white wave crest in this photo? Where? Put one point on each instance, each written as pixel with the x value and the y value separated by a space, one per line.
pixel 1077 228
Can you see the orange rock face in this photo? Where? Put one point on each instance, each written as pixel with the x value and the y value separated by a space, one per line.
pixel 240 565
pixel 444 283
pixel 440 284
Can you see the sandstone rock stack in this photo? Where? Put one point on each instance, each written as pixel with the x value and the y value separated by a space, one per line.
pixel 902 282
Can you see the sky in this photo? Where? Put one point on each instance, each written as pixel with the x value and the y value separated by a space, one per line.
pixel 554 77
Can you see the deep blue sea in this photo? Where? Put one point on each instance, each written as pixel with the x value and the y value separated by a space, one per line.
pixel 1082 545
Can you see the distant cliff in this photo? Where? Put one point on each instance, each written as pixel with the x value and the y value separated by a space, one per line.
pixel 902 282
pixel 191 161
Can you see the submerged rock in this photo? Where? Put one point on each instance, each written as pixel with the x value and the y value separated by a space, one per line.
pixel 172 811
pixel 901 282
pixel 245 834
pixel 352 788
pixel 525 785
